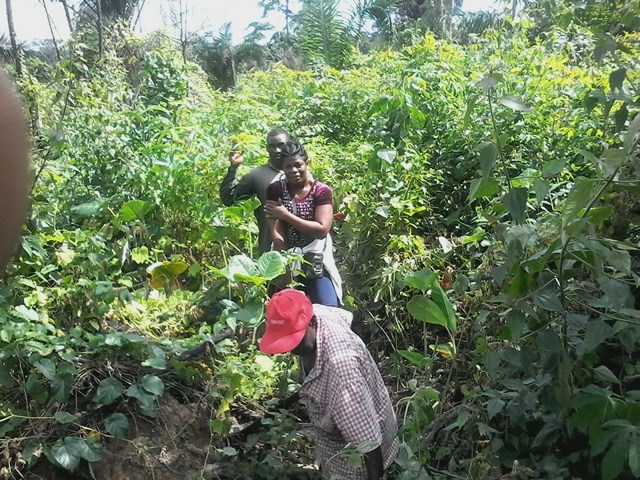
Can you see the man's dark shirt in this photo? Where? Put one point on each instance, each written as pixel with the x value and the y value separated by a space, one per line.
pixel 254 183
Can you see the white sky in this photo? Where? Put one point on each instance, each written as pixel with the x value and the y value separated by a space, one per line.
pixel 203 15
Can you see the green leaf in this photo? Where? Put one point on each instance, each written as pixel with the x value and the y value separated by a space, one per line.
pixel 516 202
pixel 481 188
pixel 494 406
pixel 109 390
pixel 152 384
pixel 65 255
pixel 271 265
pixel 421 280
pixel 158 363
pixel 549 299
pixel 140 255
pixel 90 451
pixel 579 197
pixel 241 266
pixel 25 313
pixel 425 310
pixel 634 458
pixel 604 374
pixel 65 455
pixel 229 451
pixel 165 273
pixel 605 44
pixel 488 155
pixel 553 167
pixel 103 288
pixel 217 234
pixel 616 79
pixel 383 211
pixel 221 426
pixel 630 136
pixel 488 83
pixel 145 398
pixel 597 332
pixel 133 210
pixel 387 155
pixel 46 367
pixel 514 103
pixel 614 460
pixel 417 358
pixel 64 417
pixel 117 425
pixel 439 297
pixel 88 209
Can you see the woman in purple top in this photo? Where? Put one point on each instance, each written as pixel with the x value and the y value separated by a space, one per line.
pixel 299 210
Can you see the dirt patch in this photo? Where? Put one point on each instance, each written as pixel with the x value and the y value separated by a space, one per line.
pixel 177 444
pixel 172 445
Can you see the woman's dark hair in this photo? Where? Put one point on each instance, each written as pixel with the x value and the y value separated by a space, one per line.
pixel 293 148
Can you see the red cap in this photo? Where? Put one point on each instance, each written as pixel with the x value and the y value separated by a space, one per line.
pixel 288 313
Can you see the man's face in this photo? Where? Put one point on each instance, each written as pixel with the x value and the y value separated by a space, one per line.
pixel 274 146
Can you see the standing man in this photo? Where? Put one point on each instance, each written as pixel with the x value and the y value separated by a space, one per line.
pixel 255 182
pixel 347 400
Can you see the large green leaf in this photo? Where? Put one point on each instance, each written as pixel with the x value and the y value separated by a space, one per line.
pixel 481 187
pixel 88 209
pixel 421 280
pixel 165 273
pixel 108 391
pixel 553 167
pixel 134 210
pixel 271 265
pixel 514 103
pixel 488 154
pixel 439 297
pixel 579 197
pixel 631 137
pixel 422 308
pixel 152 384
pixel 64 417
pixel 387 155
pixel 516 202
pixel 117 425
pixel 416 358
pixel 67 455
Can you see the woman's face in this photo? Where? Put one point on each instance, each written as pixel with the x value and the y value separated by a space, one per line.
pixel 295 169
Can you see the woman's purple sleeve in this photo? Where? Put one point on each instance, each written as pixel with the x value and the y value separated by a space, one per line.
pixel 324 195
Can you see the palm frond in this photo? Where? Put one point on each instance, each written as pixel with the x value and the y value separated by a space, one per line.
pixel 324 35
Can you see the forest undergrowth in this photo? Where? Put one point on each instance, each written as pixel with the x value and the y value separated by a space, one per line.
pixel 487 235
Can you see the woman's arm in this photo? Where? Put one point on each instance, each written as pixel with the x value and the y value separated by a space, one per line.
pixel 276 228
pixel 319 227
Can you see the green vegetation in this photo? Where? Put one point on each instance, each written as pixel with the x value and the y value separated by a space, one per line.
pixel 488 241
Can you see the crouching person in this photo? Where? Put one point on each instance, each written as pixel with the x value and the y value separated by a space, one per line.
pixel 347 401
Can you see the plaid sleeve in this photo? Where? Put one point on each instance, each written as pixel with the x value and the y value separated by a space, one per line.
pixel 354 413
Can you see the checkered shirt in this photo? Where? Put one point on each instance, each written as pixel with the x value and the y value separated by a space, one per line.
pixel 347 400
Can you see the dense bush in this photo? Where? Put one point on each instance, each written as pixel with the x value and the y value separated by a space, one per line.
pixel 479 245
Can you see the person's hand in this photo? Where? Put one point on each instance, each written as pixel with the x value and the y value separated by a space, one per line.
pixel 236 158
pixel 273 209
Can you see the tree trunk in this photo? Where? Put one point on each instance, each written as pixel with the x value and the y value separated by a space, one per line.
pixel 14 43
pixel 67 14
pixel 100 41
pixel 53 37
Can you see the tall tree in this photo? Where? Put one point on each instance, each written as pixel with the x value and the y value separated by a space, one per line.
pixel 279 6
pixel 14 41
pixel 434 15
pixel 215 53
pixel 380 12
pixel 67 13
